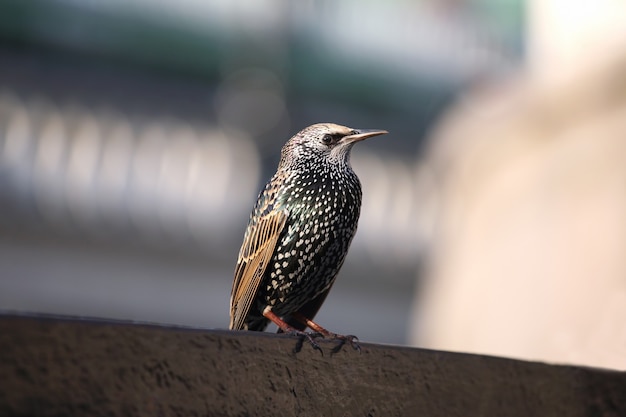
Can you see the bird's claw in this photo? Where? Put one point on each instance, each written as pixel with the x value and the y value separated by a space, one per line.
pixel 351 339
pixel 308 336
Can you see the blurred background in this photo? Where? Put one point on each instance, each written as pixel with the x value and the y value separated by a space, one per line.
pixel 135 136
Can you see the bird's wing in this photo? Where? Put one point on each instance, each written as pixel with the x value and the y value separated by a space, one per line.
pixel 255 254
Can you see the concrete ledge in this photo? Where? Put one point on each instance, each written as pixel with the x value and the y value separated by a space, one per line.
pixel 72 367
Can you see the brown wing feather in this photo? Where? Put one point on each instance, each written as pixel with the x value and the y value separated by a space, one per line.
pixel 254 256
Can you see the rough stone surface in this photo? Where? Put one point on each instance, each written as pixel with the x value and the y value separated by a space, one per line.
pixel 71 367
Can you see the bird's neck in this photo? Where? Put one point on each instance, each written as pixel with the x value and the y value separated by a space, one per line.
pixel 312 174
pixel 303 186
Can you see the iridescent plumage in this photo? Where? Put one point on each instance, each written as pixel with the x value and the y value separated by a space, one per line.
pixel 299 231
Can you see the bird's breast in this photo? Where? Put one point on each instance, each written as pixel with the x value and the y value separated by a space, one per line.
pixel 322 220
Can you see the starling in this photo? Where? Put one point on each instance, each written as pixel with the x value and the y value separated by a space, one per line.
pixel 299 233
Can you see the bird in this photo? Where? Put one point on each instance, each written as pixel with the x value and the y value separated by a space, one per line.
pixel 298 235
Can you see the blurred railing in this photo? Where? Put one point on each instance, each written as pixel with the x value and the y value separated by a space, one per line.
pixel 104 173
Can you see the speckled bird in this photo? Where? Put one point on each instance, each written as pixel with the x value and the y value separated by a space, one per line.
pixel 299 233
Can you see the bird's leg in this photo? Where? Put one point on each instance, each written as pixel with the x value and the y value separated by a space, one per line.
pixel 343 339
pixel 287 329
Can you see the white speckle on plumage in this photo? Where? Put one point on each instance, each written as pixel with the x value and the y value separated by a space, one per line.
pixel 321 196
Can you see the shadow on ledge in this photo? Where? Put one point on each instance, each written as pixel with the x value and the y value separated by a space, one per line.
pixel 52 366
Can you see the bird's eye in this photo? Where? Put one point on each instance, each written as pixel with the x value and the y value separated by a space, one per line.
pixel 327 139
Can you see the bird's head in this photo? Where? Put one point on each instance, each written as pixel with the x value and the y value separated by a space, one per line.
pixel 323 143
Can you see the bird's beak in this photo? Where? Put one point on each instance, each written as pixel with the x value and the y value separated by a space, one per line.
pixel 362 134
